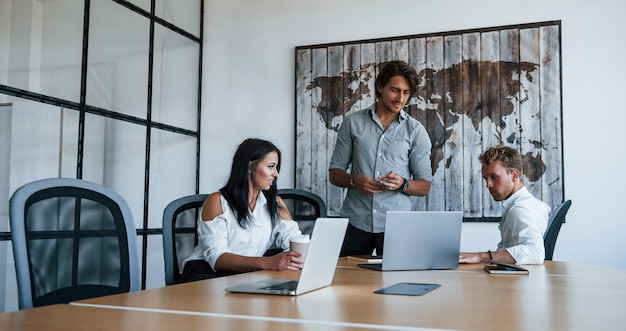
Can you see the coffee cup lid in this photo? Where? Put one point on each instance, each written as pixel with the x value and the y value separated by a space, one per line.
pixel 300 238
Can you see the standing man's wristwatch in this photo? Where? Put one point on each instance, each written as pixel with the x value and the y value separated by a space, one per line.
pixel 405 185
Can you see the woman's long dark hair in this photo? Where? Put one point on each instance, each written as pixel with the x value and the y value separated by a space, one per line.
pixel 247 157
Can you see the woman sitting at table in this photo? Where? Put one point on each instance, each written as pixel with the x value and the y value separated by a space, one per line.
pixel 245 218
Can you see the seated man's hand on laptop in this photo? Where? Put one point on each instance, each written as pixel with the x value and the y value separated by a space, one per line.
pixel 465 257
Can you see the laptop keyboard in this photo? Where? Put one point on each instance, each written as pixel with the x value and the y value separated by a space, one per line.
pixel 286 286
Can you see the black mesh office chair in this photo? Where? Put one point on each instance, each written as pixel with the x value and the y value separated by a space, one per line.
pixel 72 240
pixel 305 207
pixel 554 226
pixel 179 233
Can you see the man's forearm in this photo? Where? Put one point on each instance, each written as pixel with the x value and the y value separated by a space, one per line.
pixel 418 187
pixel 339 177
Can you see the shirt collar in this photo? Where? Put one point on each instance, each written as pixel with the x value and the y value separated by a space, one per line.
pixel 511 200
pixel 401 116
pixel 261 201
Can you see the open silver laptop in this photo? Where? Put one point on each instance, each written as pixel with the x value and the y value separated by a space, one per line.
pixel 319 265
pixel 420 240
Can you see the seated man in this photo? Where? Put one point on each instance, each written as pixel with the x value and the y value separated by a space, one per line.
pixel 524 219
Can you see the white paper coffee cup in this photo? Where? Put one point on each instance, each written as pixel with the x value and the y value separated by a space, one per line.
pixel 300 244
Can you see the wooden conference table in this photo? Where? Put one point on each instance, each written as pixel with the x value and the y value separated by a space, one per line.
pixel 555 296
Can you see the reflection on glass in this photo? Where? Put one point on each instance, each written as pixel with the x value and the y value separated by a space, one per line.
pixel 41 47
pixel 114 155
pixel 175 82
pixel 117 76
pixel 154 259
pixel 39 141
pixel 172 171
pixel 184 14
pixel 143 4
pixel 41 44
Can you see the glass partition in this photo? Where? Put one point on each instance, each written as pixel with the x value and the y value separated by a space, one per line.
pixel 42 141
pixel 114 156
pixel 143 4
pixel 175 83
pixel 172 171
pixel 154 258
pixel 118 59
pixel 184 14
pixel 41 47
pixel 62 117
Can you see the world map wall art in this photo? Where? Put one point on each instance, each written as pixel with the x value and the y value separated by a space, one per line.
pixel 477 88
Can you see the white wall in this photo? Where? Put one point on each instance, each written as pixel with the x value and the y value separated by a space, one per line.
pixel 248 90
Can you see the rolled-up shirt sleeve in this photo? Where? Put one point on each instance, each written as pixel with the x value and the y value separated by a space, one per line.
pixel 283 231
pixel 342 155
pixel 213 239
pixel 419 157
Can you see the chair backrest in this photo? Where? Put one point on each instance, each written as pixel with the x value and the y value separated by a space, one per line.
pixel 554 226
pixel 179 233
pixel 72 240
pixel 305 207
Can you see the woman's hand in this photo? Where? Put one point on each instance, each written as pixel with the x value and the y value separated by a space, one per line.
pixel 285 261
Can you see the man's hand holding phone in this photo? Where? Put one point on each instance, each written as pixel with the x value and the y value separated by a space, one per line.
pixel 391 181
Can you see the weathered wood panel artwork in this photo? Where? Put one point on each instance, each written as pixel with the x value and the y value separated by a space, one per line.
pixel 478 88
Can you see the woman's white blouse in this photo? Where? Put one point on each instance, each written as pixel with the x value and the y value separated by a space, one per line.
pixel 223 234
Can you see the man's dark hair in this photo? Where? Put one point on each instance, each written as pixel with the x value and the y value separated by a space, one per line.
pixel 396 68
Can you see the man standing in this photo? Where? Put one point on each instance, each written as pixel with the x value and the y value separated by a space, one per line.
pixel 524 219
pixel 388 153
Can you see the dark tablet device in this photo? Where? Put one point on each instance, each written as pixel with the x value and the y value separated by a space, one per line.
pixel 408 289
